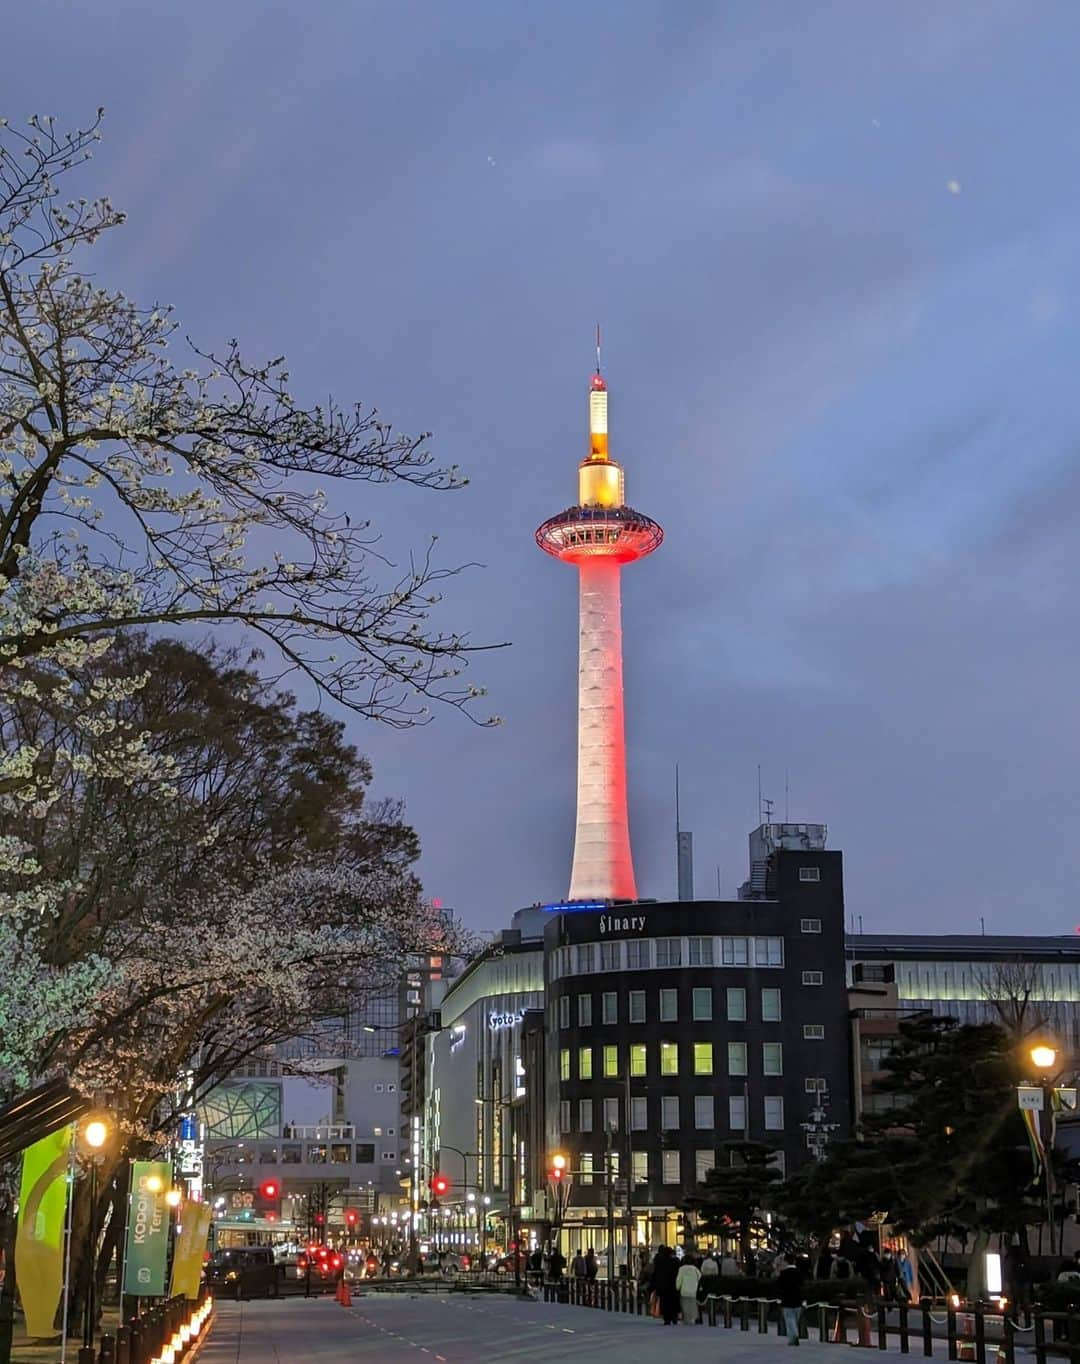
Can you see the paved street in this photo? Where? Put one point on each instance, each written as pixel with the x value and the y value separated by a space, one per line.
pixel 457 1329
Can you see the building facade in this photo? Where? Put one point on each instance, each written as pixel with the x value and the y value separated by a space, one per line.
pixel 673 1028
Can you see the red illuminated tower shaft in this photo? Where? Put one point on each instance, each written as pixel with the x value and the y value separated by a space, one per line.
pixel 599 535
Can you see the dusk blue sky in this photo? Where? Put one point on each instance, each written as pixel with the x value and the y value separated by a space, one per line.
pixel 834 249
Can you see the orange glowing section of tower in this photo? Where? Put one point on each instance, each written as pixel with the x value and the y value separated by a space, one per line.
pixel 598 536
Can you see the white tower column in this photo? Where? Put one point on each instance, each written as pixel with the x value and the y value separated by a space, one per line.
pixel 603 866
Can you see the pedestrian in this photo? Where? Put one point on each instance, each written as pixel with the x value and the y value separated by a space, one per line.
pixel 664 1273
pixel 890 1275
pixel 729 1266
pixel 591 1267
pixel 709 1287
pixel 578 1267
pixel 557 1264
pixel 686 1285
pixel 907 1276
pixel 789 1283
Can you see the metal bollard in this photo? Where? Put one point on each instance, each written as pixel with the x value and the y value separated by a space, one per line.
pixel 1040 1337
pixel 744 1314
pixel 123 1345
pixel 882 1327
pixel 980 1336
pixel 1009 1341
pixel 107 1353
pixel 710 1308
pixel 927 1328
pixel 87 1355
pixel 1073 1332
pixel 726 1303
pixel 950 1332
pixel 823 1321
pixel 905 1340
pixel 762 1318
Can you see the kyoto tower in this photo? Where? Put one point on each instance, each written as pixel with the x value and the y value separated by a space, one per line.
pixel 599 535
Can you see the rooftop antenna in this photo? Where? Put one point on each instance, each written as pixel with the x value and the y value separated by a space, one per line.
pixel 678 826
pixel 982 925
pixel 719 894
pixel 598 348
pixel 767 806
pixel 787 793
pixel 759 818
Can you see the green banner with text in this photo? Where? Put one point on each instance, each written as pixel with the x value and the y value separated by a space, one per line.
pixel 39 1243
pixel 148 1228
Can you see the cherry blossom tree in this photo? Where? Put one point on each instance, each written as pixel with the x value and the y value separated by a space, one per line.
pixel 135 493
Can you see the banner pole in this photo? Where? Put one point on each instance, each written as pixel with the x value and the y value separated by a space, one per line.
pixel 67 1249
pixel 127 1236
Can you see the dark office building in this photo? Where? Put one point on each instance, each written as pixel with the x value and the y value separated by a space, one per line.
pixel 674 1027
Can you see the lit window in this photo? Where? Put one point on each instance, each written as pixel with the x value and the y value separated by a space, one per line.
pixel 669 951
pixel 702 1003
pixel 611 1115
pixel 813 1032
pixel 611 1063
pixel 564 1011
pixel 770 1006
pixel 703 1062
pixel 815 1084
pixel 609 1007
pixel 670 1166
pixel 703 1111
pixel 584 1063
pixel 637 1059
pixel 736 1058
pixel 736 1005
pixel 638 956
pixel 737 1112
pixel 584 1011
pixel 704 1161
pixel 811 977
pixel 669 1113
pixel 585 1115
pixel 772 1058
pixel 609 956
pixel 809 873
pixel 639 1114
pixel 669 1006
pixel 669 1058
pixel 584 957
pixel 585 1163
pixel 639 1166
pixel 637 1006
pixel 564 1064
pixel 701 951
pixel 809 925
pixel 564 1115
pixel 774 1113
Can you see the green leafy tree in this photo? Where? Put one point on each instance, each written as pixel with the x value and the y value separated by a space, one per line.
pixel 733 1195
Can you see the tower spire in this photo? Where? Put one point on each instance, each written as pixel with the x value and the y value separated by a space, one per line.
pixel 598 536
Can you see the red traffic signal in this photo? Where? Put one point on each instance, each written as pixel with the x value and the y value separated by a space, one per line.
pixel 350 1217
pixel 440 1185
pixel 319 1218
pixel 269 1189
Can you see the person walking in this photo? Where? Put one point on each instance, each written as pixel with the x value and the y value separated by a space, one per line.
pixel 789 1283
pixel 578 1266
pixel 664 1274
pixel 686 1285
pixel 591 1266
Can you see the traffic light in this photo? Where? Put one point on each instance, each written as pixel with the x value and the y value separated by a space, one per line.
pixel 557 1173
pixel 270 1189
pixel 351 1217
pixel 440 1185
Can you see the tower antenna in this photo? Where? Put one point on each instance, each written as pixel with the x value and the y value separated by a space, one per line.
pixel 759 819
pixel 678 825
pixel 787 811
pixel 598 348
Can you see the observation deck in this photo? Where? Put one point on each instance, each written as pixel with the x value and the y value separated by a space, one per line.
pixel 582 534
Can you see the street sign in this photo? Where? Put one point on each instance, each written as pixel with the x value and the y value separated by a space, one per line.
pixel 1030 1096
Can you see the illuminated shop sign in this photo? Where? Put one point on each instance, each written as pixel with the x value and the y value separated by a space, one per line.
pixel 615 923
pixel 497 1021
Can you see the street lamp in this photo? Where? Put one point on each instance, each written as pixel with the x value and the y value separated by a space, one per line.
pixel 1044 1058
pixel 92 1137
pixel 511 1192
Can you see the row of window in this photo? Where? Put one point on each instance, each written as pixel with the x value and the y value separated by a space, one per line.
pixel 700 1055
pixel 701 1005
pixel 611 1115
pixel 333 1153
pixel 642 954
pixel 667 1165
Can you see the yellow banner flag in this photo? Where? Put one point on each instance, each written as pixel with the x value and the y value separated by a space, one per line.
pixel 39 1240
pixel 188 1253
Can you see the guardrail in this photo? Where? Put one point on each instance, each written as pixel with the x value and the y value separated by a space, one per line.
pixel 966 1335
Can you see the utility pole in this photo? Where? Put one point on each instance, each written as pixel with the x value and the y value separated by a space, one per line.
pixel 610 1207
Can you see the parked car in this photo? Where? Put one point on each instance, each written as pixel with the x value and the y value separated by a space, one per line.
pixel 245 1271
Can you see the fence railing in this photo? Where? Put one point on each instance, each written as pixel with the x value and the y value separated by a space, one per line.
pixel 959 1335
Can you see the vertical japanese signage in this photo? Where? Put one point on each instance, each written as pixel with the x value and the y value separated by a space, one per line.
pixel 190 1244
pixel 40 1236
pixel 148 1228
